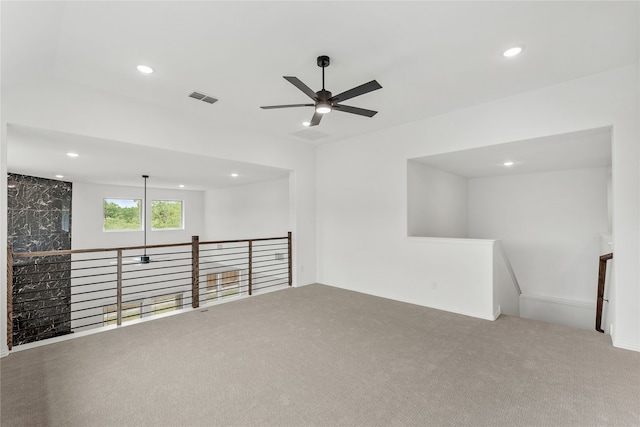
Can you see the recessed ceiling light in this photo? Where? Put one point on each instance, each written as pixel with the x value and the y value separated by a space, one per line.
pixel 181 185
pixel 306 123
pixel 59 176
pixel 508 163
pixel 73 154
pixel 512 52
pixel 145 69
pixel 235 175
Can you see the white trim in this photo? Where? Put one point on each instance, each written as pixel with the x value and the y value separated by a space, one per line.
pixel 182 216
pixel 561 311
pixel 282 287
pixel 104 230
pixel 489 317
pixel 63 338
pixel 626 345
pixel 497 313
pixel 452 240
pixel 554 300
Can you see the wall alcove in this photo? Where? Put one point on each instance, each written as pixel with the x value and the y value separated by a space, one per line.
pixel 547 199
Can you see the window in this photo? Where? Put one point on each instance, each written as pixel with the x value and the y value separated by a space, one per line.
pixel 130 311
pixel 223 285
pixel 166 304
pixel 122 214
pixel 166 215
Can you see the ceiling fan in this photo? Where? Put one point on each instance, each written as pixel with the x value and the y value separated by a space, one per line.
pixel 324 101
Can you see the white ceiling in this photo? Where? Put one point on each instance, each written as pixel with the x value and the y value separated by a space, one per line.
pixel 430 57
pixel 118 163
pixel 585 149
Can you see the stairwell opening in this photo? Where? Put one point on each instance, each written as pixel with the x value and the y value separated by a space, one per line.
pixel 548 200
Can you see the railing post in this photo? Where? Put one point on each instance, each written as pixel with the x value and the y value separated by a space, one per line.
pixel 10 296
pixel 195 271
pixel 290 258
pixel 602 275
pixel 119 290
pixel 250 267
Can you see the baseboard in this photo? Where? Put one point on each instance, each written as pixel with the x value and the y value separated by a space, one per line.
pixel 554 300
pixel 574 313
pixel 4 352
pixel 491 317
pixel 625 345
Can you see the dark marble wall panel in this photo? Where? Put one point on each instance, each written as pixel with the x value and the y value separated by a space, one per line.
pixel 39 219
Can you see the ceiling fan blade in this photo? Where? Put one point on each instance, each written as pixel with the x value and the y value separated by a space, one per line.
pixel 354 110
pixel 356 91
pixel 315 120
pixel 303 87
pixel 269 107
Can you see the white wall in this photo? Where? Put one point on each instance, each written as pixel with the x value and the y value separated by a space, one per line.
pixel 573 313
pixel 361 205
pixel 437 202
pixel 87 216
pixel 247 211
pixel 3 239
pixel 550 225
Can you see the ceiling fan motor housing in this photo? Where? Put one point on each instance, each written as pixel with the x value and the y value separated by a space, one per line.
pixel 323 61
pixel 323 95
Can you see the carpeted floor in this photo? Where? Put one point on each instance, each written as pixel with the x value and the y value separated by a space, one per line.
pixel 322 356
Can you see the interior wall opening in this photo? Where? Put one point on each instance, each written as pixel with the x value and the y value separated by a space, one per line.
pixel 547 199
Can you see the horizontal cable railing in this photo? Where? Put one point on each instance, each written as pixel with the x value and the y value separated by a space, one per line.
pixel 55 293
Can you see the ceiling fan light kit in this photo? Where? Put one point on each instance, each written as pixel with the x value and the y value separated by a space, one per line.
pixel 324 101
pixel 323 107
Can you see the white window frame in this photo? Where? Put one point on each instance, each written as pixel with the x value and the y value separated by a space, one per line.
pixel 142 212
pixel 182 217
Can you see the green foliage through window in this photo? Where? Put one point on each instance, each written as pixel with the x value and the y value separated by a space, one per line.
pixel 166 214
pixel 122 214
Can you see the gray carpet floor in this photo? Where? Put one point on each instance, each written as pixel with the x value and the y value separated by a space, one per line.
pixel 322 356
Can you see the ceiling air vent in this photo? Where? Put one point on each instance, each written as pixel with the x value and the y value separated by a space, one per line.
pixel 203 97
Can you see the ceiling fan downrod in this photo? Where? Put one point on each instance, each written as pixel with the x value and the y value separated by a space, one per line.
pixel 323 61
pixel 144 259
